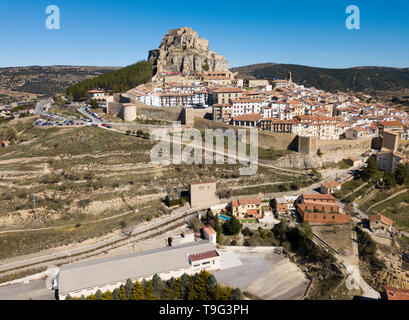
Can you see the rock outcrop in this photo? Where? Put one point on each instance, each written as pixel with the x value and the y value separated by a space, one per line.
pixel 181 50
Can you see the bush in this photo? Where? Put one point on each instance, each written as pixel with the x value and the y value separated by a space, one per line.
pixel 232 227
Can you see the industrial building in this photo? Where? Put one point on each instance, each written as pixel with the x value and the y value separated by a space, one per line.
pixel 85 278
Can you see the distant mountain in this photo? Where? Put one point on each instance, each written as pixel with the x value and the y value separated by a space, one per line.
pixel 383 82
pixel 21 83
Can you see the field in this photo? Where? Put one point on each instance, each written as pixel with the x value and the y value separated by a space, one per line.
pixel 396 208
pixel 337 236
pixel 79 176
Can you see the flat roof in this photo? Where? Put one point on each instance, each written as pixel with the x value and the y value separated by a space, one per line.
pixel 96 273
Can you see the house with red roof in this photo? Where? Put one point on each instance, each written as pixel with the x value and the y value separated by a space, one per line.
pixel 247 208
pixel 392 293
pixel 380 222
pixel 210 234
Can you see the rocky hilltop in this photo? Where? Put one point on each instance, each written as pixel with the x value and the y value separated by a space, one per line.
pixel 181 50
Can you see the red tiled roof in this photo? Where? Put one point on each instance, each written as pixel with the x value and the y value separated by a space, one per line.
pixel 318 197
pixel 393 293
pixel 331 184
pixel 203 256
pixel 209 230
pixel 390 123
pixel 382 218
pixel 248 117
pixel 243 202
pixel 252 212
pixel 227 90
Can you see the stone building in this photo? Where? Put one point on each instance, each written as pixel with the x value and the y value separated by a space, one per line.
pixel 202 194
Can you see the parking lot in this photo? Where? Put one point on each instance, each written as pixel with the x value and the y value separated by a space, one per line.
pixel 35 290
pixel 267 276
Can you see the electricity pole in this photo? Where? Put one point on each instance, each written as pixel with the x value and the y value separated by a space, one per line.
pixel 34 208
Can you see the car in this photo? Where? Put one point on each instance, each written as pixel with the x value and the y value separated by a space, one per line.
pixel 104 125
pixel 354 205
pixel 339 180
pixel 109 127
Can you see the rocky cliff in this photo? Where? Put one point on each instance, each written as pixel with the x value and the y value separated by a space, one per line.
pixel 181 50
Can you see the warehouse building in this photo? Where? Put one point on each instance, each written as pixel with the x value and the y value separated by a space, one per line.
pixel 85 278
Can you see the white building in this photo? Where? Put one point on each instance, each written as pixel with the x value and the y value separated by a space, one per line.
pixel 210 234
pixel 85 278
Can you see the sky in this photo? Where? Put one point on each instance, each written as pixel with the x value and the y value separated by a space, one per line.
pixel 119 33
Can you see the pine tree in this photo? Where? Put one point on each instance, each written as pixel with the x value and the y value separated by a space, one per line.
pixel 98 295
pixel 148 292
pixel 107 295
pixel 122 293
pixel 137 291
pixel 176 291
pixel 184 286
pixel 115 294
pixel 157 286
pixel 236 294
pixel 200 286
pixel 211 287
pixel 128 289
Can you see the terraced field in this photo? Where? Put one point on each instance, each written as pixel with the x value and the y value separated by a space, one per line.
pixel 80 175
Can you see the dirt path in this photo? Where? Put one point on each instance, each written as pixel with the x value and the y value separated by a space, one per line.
pixel 357 189
pixel 387 199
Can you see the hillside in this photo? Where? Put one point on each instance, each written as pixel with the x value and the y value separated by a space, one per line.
pixel 116 81
pixel 24 83
pixel 376 81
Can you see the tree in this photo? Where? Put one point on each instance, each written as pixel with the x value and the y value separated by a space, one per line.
pixel 401 175
pixel 115 294
pixel 116 81
pixel 280 231
pixel 236 294
pixel 206 67
pixel 122 293
pixel 148 292
pixel 137 291
pixel 184 286
pixel 157 286
pixel 232 227
pixel 128 289
pixel 211 287
pixel 389 181
pixel 371 170
pixel 98 295
pixel 107 295
pixel 94 104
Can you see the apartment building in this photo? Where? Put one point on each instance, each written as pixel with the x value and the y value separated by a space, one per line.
pixel 320 209
pixel 224 95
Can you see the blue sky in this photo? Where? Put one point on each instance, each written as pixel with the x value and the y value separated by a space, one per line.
pixel 118 33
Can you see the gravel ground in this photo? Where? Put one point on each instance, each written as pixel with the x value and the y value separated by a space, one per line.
pixel 266 276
